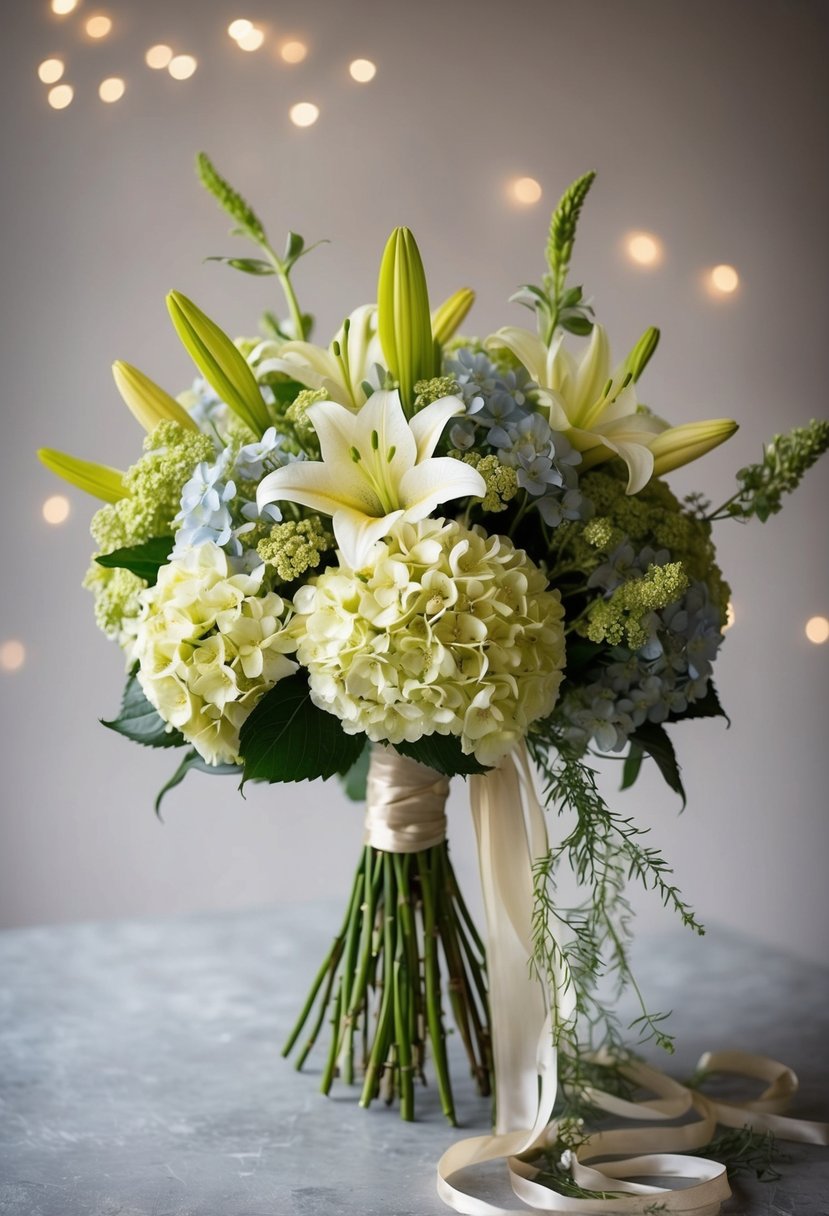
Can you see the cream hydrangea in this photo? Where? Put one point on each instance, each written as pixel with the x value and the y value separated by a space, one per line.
pixel 452 632
pixel 210 642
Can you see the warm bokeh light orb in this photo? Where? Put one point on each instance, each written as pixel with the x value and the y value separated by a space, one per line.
pixel 526 190
pixel 50 70
pixel 304 114
pixel 237 29
pixel 817 630
pixel 362 70
pixel 182 67
pixel 159 56
pixel 61 7
pixel 60 96
pixel 724 280
pixel 12 655
pixel 643 248
pixel 293 51
pixel 252 40
pixel 99 26
pixel 111 89
pixel 56 509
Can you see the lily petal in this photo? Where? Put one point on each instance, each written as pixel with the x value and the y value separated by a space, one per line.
pixel 427 425
pixel 591 377
pixel 435 481
pixel 356 533
pixel 311 483
pixel 527 348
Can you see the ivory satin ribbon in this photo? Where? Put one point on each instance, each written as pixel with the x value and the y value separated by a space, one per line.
pixel 403 810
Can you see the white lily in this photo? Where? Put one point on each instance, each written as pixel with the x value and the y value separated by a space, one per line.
pixel 600 413
pixel 341 368
pixel 377 469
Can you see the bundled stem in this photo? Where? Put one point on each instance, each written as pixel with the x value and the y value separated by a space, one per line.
pixel 380 984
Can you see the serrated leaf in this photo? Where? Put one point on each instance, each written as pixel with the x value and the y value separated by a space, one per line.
pixel 355 780
pixel 705 707
pixel 287 738
pixel 442 753
pixel 654 740
pixel 144 560
pixel 193 761
pixel 140 721
pixel 631 767
pixel 246 265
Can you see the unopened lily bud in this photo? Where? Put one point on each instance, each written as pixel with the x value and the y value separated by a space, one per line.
pixel 680 445
pixel 403 319
pixel 96 479
pixel 640 356
pixel 450 315
pixel 146 400
pixel 218 360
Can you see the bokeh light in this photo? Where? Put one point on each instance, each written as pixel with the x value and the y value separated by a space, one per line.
pixel 61 7
pixel 526 190
pixel 237 29
pixel 111 89
pixel 817 630
pixel 159 56
pixel 252 40
pixel 50 70
pixel 60 96
pixel 98 26
pixel 723 280
pixel 293 51
pixel 643 248
pixel 362 70
pixel 182 67
pixel 12 655
pixel 304 114
pixel 56 509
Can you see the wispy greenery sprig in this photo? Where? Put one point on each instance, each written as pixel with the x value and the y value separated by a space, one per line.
pixel 249 225
pixel 556 304
pixel 785 461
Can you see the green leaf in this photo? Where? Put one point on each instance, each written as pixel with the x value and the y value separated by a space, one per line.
pixel 632 765
pixel 577 325
pixel 140 721
pixel 228 199
pixel 706 707
pixel 294 247
pixel 442 753
pixel 654 740
pixel 354 781
pixel 287 738
pixel 246 265
pixel 581 654
pixel 192 761
pixel 144 560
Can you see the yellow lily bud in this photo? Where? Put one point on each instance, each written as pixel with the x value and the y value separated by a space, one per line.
pixel 218 360
pixel 404 323
pixel 681 444
pixel 146 401
pixel 640 356
pixel 449 316
pixel 96 479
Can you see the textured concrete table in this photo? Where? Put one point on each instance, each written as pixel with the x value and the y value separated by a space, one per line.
pixel 141 1075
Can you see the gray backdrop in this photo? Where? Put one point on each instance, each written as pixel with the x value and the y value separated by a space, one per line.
pixel 707 125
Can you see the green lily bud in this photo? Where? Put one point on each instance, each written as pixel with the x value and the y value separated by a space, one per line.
pixel 640 356
pixel 450 315
pixel 96 479
pixel 681 444
pixel 218 360
pixel 146 401
pixel 404 323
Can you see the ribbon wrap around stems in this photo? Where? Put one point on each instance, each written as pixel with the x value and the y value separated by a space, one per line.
pixel 405 803
pixel 511 833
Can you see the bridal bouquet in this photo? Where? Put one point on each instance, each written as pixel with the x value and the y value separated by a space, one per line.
pixel 407 556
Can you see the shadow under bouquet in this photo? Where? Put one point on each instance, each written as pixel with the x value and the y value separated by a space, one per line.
pixel 408 556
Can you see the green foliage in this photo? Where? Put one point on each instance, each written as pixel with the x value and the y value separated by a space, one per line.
pixel 229 199
pixel 563 226
pixel 706 707
pixel 140 721
pixel 653 739
pixel 442 753
pixel 785 461
pixel 287 738
pixel 356 779
pixel 144 560
pixel 192 762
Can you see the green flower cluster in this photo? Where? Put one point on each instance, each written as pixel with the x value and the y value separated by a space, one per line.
pixel 785 460
pixel 501 480
pixel 620 620
pixel 433 390
pixel 116 599
pixel 295 547
pixel 300 424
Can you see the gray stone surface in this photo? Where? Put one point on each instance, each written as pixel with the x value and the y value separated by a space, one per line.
pixel 141 1074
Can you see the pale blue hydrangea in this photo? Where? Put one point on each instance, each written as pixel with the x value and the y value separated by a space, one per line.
pixel 207 409
pixel 253 459
pixel 205 513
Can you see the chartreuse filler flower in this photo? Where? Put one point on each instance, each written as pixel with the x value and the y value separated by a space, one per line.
pixel 417 555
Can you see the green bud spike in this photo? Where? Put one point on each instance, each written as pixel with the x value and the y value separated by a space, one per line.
pixel 221 364
pixel 640 356
pixel 403 319
pixel 451 313
pixel 96 479
pixel 146 401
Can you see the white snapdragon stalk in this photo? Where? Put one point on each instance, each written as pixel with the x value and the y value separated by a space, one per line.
pixel 377 469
